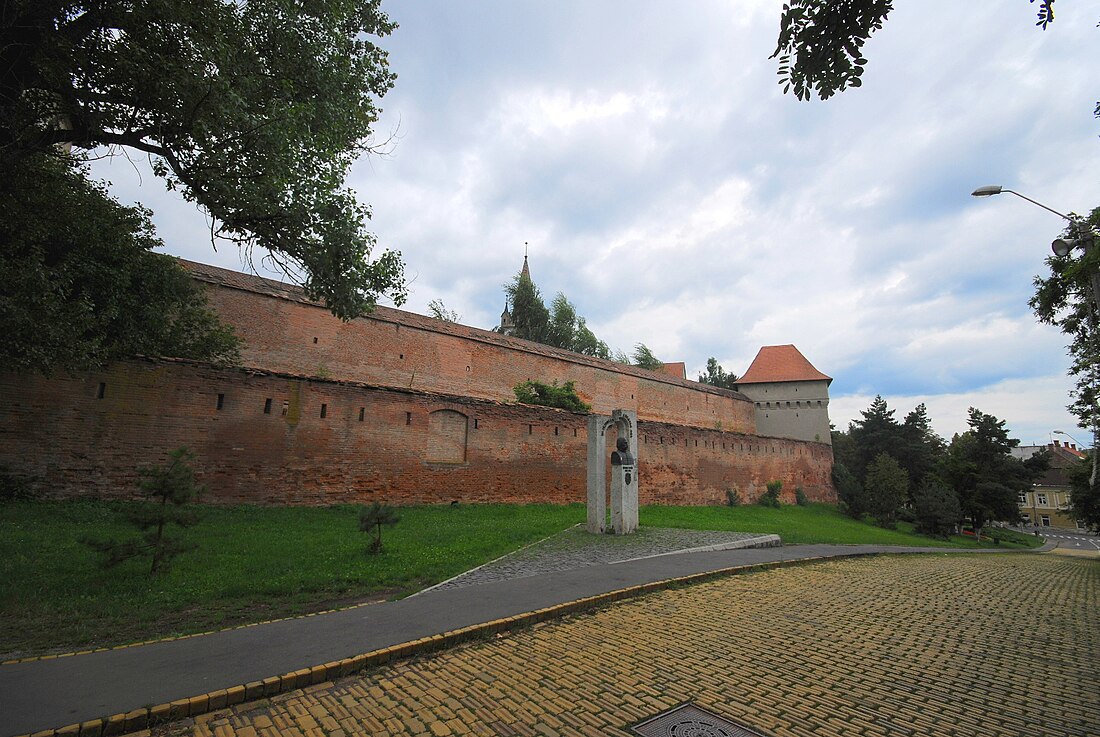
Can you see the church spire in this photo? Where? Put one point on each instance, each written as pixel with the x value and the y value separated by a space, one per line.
pixel 525 271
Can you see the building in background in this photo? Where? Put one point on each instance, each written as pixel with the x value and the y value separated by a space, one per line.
pixel 1047 504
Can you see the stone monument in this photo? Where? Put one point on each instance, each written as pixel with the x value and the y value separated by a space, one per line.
pixel 624 472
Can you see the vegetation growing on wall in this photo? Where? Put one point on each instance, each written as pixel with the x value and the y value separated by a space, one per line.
pixel 551 395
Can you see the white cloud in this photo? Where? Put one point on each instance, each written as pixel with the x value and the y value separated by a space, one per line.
pixel 667 186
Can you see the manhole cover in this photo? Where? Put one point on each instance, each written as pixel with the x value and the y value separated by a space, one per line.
pixel 689 720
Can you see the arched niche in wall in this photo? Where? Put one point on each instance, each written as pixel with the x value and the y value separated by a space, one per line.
pixel 447 436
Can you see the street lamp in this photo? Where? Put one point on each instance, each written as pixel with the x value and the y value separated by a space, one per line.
pixel 1060 432
pixel 1084 238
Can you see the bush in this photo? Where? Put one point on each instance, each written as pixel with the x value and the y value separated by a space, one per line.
pixel 770 498
pixel 733 498
pixel 800 497
pixel 551 395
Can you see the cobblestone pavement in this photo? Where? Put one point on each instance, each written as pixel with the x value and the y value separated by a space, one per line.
pixel 917 645
pixel 576 548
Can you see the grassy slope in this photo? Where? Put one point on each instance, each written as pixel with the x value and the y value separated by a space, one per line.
pixel 257 563
pixel 816 523
pixel 251 564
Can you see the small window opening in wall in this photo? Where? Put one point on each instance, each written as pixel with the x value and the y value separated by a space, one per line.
pixel 475 423
pixel 467 369
pixel 401 356
pixel 408 418
pixel 286 407
pixel 362 412
pixel 631 396
pixel 574 432
pixel 696 443
pixel 314 338
pixel 324 410
pixel 662 437
pixel 267 406
pixel 102 391
pixel 530 429
pixel 555 429
pixel 221 401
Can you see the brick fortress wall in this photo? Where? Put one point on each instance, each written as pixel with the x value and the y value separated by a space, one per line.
pixel 283 332
pixel 394 407
pixel 269 444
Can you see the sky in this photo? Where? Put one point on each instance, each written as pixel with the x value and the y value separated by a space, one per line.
pixel 646 155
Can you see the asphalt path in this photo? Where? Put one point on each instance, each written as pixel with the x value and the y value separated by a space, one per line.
pixel 48 694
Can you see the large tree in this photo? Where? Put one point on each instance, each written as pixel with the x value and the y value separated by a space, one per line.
pixel 529 313
pixel 921 450
pixel 820 46
pixel 717 376
pixel 254 110
pixel 985 476
pixel 1085 495
pixel 887 486
pixel 644 358
pixel 878 432
pixel 1066 298
pixel 89 291
pixel 559 326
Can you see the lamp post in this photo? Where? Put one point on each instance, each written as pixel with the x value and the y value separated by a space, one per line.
pixel 1084 235
pixel 1083 238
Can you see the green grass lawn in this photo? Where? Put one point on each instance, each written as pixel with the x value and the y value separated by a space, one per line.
pixel 251 564
pixel 259 563
pixel 815 523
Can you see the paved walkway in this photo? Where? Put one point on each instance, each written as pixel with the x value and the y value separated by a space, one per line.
pixel 942 646
pixel 52 693
pixel 576 548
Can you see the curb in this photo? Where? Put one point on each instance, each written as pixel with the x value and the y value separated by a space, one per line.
pixel 145 718
pixel 148 717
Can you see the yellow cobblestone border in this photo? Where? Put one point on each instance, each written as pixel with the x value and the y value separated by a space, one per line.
pixel 144 718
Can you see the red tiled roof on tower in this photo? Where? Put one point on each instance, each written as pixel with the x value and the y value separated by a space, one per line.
pixel 781 363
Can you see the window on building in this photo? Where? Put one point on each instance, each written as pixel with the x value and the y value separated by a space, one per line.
pixel 1045 520
pixel 1041 499
pixel 1021 497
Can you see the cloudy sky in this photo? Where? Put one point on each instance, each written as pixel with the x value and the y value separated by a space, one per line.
pixel 678 198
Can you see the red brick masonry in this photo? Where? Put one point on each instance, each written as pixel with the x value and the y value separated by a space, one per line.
pixel 74 443
pixel 394 407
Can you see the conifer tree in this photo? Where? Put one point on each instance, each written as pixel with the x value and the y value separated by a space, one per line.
pixel 374 518
pixel 878 432
pixel 169 488
pixel 983 474
pixel 529 313
pixel 936 509
pixel 887 485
